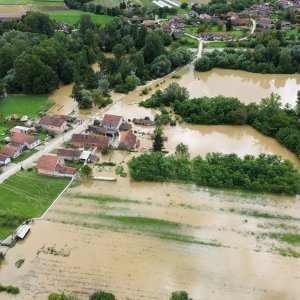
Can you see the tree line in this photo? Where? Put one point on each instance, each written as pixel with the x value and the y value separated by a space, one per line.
pixel 265 173
pixel 271 58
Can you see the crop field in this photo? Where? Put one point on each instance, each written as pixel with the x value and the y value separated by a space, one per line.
pixel 72 17
pixel 29 105
pixel 26 195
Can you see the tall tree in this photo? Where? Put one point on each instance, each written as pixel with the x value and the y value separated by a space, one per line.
pixel 158 143
pixel 154 46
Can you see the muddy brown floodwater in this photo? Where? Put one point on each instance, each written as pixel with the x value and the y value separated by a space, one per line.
pixel 219 248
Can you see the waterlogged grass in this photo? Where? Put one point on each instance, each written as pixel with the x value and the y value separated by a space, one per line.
pixel 26 195
pixel 288 252
pixel 102 198
pixel 265 215
pixel 290 238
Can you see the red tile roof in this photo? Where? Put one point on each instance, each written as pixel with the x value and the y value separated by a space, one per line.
pixel 65 170
pixel 128 140
pixel 52 121
pixel 9 150
pixel 111 120
pixel 22 138
pixel 69 153
pixel 84 139
pixel 48 162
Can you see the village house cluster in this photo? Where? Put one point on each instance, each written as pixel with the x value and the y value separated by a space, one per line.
pixel 26 136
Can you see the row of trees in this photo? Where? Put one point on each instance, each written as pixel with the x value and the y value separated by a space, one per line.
pixel 265 173
pixel 263 59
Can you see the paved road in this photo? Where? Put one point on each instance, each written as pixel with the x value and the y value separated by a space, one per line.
pixel 48 147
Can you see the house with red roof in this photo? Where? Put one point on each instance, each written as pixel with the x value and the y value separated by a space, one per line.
pixel 10 151
pixel 54 166
pixel 85 140
pixel 53 124
pixel 112 124
pixel 24 141
pixel 128 141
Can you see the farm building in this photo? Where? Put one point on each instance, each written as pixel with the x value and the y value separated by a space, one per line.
pixel 4 160
pixel 112 123
pixel 84 140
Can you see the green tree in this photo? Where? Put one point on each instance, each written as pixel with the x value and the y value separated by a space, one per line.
pixel 2 90
pixel 85 23
pixel 101 295
pixel 154 46
pixel 97 97
pixel 86 171
pixel 229 25
pixel 182 150
pixel 160 66
pixel 158 143
pixel 203 64
pixel 118 51
pixel 184 5
pixel 38 23
pixel 180 296
pixel 285 62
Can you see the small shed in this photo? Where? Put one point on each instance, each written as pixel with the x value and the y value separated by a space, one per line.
pixel 22 231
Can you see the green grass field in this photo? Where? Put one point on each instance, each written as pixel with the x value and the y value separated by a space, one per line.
pixel 108 3
pixel 22 105
pixel 72 17
pixel 33 2
pixel 26 195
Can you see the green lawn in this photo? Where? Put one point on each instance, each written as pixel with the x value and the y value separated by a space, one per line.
pixel 216 44
pixel 72 17
pixel 25 155
pixel 26 195
pixel 22 105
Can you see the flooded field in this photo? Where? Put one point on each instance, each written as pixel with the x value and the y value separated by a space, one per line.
pixel 146 240
pixel 161 238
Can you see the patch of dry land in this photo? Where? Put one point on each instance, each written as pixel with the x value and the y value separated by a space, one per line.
pixel 145 240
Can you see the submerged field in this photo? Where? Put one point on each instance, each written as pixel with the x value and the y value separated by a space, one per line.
pixel 26 195
pixel 145 240
pixel 21 105
pixel 72 17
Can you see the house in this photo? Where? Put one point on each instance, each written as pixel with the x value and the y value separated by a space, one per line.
pixel 205 17
pixel 144 122
pixel 53 124
pixel 10 151
pixel 69 154
pixel 97 129
pixel 149 22
pixel 232 15
pixel 112 123
pixel 125 126
pixel 54 166
pixel 64 117
pixel 23 141
pixel 128 141
pixel 20 129
pixel 84 140
pixel 4 160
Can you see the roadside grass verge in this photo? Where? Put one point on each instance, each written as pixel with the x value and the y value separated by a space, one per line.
pixel 26 195
pixel 29 105
pixel 71 17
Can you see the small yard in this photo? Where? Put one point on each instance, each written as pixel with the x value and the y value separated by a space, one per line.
pixel 25 155
pixel 26 195
pixel 21 105
pixel 71 17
